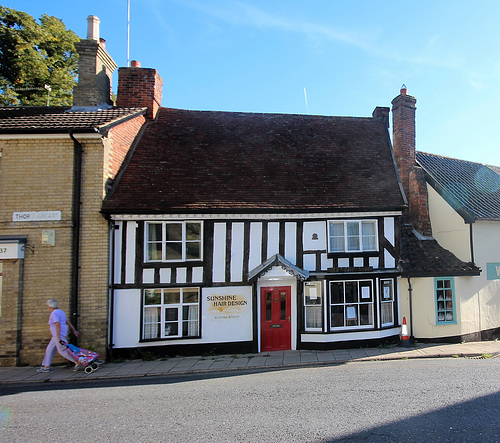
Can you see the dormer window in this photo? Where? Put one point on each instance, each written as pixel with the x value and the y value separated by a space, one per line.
pixel 352 236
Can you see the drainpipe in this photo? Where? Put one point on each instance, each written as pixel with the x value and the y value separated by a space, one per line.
pixel 20 293
pixel 410 293
pixel 111 302
pixel 76 223
pixel 471 240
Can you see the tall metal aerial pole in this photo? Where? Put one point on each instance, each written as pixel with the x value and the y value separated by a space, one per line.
pixel 128 33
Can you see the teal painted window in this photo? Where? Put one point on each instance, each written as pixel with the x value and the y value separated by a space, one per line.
pixel 444 289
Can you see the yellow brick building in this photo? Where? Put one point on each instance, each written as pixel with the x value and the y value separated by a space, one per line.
pixel 56 164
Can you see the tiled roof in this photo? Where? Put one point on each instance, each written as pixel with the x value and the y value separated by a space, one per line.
pixel 218 161
pixel 16 120
pixel 424 257
pixel 472 189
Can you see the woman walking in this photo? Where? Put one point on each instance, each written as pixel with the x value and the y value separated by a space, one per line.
pixel 58 324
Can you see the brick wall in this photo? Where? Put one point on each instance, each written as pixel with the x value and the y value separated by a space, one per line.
pixel 11 273
pixel 120 138
pixel 29 186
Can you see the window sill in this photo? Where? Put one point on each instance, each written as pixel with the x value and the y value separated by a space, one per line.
pixel 152 340
pixel 173 262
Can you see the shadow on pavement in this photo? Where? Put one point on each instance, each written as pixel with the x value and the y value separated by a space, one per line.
pixel 471 421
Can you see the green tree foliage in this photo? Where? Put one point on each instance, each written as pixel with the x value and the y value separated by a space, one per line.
pixel 33 55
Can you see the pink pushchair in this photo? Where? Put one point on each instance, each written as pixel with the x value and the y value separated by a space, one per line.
pixel 88 359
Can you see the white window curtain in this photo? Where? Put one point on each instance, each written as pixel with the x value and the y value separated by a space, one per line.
pixel 192 318
pixel 314 316
pixel 151 321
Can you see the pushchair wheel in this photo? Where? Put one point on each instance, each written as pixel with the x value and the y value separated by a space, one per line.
pixel 89 370
pixel 95 366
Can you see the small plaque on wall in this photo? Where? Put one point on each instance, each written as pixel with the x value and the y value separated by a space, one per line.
pixel 49 237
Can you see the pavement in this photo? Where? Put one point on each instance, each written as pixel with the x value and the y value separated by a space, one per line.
pixel 259 361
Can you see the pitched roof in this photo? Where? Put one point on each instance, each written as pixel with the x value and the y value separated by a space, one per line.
pixel 218 161
pixel 424 257
pixel 52 119
pixel 472 189
pixel 279 261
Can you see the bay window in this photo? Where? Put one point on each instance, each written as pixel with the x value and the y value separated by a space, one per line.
pixel 351 304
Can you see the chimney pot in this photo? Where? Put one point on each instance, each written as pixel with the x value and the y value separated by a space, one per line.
pixel 404 90
pixel 102 42
pixel 135 64
pixel 93 27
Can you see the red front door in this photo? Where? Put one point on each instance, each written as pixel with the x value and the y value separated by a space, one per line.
pixel 275 314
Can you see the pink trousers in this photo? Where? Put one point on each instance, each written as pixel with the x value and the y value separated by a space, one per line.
pixel 54 346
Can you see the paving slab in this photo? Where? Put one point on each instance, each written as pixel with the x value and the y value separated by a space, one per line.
pixel 240 362
pixel 291 358
pixel 308 357
pixel 325 356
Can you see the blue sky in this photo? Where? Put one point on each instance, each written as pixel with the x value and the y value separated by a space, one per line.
pixel 348 55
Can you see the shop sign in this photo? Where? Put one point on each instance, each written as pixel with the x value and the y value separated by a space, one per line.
pixel 493 271
pixel 227 313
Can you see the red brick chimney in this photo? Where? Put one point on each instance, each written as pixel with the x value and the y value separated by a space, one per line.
pixel 139 87
pixel 412 176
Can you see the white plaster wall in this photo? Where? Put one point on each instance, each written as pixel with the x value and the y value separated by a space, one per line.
pixel 255 258
pixel 219 259
pixel 130 253
pixel 448 228
pixel 127 318
pixel 389 230
pixel 486 238
pixel 117 259
pixel 475 310
pixel 477 298
pixel 228 327
pixel 237 252
pixel 318 229
pixel 291 242
pixel 273 239
pixel 424 310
